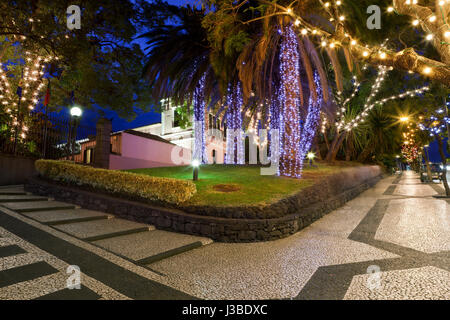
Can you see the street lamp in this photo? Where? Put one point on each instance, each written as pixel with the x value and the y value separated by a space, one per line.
pixel 75 115
pixel 404 119
pixel 311 156
pixel 76 112
pixel 195 164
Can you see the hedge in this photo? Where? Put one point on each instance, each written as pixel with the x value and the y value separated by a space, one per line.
pixel 168 190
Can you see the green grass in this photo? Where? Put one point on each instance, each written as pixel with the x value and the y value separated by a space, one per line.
pixel 254 188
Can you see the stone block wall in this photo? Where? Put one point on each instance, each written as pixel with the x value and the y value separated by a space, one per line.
pixel 317 201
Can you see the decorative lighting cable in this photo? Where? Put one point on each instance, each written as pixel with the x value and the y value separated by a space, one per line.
pixel 312 120
pixel 199 122
pixel 235 137
pixel 291 162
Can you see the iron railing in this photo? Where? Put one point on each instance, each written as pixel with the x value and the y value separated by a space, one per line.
pixel 45 136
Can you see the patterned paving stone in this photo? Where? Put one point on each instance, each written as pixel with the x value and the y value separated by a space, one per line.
pixel 18 261
pixel 147 247
pixel 420 224
pixel 34 288
pixel 414 190
pixel 37 206
pixel 53 217
pixel 429 283
pixel 275 269
pixel 396 225
pixel 11 250
pixel 69 294
pixel 24 273
pixel 102 229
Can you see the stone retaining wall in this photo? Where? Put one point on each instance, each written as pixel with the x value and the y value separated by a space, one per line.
pixel 314 203
pixel 15 170
pixel 330 185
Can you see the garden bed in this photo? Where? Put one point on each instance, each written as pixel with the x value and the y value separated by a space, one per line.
pixel 241 192
pixel 310 204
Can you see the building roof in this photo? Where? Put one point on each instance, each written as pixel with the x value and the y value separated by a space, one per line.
pixel 147 135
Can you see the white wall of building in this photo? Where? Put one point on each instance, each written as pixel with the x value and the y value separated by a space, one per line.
pixel 183 137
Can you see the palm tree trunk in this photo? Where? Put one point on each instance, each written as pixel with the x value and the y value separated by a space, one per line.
pixel 335 146
pixel 444 163
pixel 348 149
pixel 427 163
pixel 327 143
pixel 199 123
pixel 291 162
pixel 317 148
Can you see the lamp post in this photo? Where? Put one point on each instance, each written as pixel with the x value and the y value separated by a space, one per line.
pixel 75 115
pixel 404 119
pixel 311 156
pixel 397 159
pixel 195 164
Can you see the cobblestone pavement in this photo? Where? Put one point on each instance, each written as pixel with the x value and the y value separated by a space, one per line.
pixel 391 242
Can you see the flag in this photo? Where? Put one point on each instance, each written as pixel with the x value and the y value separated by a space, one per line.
pixel 47 95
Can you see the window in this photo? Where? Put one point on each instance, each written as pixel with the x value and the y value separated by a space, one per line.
pixel 214 156
pixel 88 155
pixel 177 119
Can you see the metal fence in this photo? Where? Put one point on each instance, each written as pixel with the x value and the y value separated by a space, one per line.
pixel 44 136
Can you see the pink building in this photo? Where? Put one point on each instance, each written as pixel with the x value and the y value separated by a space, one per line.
pixel 132 149
pixel 158 145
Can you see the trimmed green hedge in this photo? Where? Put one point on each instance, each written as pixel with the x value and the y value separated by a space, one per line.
pixel 172 191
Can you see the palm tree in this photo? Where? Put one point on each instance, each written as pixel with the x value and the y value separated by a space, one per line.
pixel 178 64
pixel 270 49
pixel 382 135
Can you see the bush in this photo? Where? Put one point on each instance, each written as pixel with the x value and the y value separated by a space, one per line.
pixel 172 191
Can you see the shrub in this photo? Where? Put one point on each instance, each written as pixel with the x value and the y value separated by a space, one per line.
pixel 172 191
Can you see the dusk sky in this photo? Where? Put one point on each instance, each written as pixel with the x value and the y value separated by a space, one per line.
pixel 90 116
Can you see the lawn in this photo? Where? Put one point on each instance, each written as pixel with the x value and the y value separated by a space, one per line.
pixel 221 185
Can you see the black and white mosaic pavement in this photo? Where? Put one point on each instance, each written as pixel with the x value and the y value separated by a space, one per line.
pixel 391 242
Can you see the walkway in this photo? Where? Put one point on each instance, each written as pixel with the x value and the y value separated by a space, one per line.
pixel 391 242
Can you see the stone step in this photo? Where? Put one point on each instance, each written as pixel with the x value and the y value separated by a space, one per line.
pixel 31 206
pixel 148 247
pixel 102 229
pixel 11 186
pixel 12 190
pixel 21 198
pixel 55 217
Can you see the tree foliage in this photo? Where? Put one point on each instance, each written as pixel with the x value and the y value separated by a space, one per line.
pixel 99 62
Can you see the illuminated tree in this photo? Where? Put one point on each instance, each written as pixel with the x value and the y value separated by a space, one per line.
pixel 291 161
pixel 435 123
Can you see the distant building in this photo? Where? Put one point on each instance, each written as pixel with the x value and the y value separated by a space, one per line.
pixel 154 145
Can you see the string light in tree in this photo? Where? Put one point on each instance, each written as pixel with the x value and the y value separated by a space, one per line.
pixel 291 162
pixel 199 122
pixel 26 93
pixel 235 138
pixel 342 124
pixel 312 119
pixel 361 118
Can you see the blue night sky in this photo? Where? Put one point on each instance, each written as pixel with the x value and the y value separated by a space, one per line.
pixel 90 116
